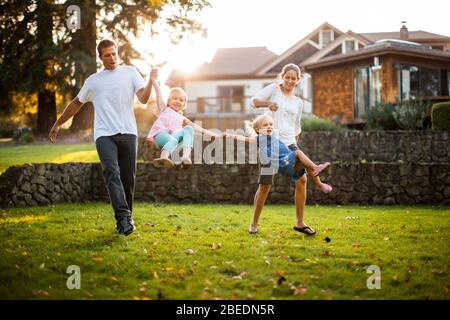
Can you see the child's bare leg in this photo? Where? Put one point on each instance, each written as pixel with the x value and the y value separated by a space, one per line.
pixel 316 179
pixel 309 165
pixel 318 183
pixel 304 160
pixel 258 204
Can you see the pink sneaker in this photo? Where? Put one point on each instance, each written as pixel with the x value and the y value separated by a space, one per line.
pixel 320 168
pixel 326 188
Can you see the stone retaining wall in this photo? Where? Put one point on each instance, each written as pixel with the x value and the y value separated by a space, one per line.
pixel 356 183
pixel 369 167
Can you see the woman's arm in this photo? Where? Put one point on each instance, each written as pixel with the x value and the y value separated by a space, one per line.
pixel 262 98
pixel 265 104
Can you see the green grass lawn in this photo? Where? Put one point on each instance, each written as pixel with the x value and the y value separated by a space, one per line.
pixel 39 153
pixel 205 252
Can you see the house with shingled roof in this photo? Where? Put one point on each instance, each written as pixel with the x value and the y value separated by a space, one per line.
pixel 345 74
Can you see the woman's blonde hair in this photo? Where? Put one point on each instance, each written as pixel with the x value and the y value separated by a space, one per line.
pixel 252 127
pixel 182 92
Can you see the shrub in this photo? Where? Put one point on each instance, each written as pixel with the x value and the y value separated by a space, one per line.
pixel 440 116
pixel 313 123
pixel 410 114
pixel 23 135
pixel 7 127
pixel 26 137
pixel 381 117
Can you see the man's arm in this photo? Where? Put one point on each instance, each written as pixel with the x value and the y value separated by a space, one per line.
pixel 144 93
pixel 72 108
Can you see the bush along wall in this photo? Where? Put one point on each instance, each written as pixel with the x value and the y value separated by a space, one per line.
pixel 440 116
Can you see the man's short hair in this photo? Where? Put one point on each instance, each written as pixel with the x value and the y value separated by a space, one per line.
pixel 106 43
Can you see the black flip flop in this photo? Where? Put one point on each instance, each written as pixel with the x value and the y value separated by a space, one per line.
pixel 303 230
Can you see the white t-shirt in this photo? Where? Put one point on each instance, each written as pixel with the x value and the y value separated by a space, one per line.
pixel 112 94
pixel 286 120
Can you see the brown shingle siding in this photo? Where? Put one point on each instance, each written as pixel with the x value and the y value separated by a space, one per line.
pixel 333 92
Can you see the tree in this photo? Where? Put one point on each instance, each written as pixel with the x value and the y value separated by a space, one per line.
pixel 122 20
pixel 40 54
pixel 29 59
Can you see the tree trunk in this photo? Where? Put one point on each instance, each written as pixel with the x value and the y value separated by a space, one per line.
pixel 46 111
pixel 84 41
pixel 46 96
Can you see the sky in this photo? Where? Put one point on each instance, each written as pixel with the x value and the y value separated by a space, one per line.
pixel 279 24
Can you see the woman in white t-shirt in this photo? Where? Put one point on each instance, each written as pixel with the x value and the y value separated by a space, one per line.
pixel 286 111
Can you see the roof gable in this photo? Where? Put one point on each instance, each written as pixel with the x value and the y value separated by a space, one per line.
pixel 291 51
pixel 349 35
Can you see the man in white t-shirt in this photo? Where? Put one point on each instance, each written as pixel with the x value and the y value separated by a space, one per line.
pixel 112 91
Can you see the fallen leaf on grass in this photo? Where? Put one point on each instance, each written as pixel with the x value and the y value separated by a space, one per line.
pixel 241 276
pixel 298 291
pixel 215 246
pixel 40 293
pixel 190 251
pixel 113 278
pixel 356 245
pixel 155 275
pixel 97 259
pixel 326 254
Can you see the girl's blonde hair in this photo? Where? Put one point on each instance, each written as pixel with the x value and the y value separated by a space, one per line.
pixel 288 67
pixel 182 92
pixel 252 127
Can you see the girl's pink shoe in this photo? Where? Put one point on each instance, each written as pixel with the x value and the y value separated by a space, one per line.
pixel 326 188
pixel 320 168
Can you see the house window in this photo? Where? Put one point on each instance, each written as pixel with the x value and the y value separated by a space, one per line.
pixel 417 81
pixel 349 46
pixel 231 98
pixel 325 37
pixel 367 87
pixel 448 83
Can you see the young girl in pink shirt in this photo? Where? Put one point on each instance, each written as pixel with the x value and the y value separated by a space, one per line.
pixel 172 128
